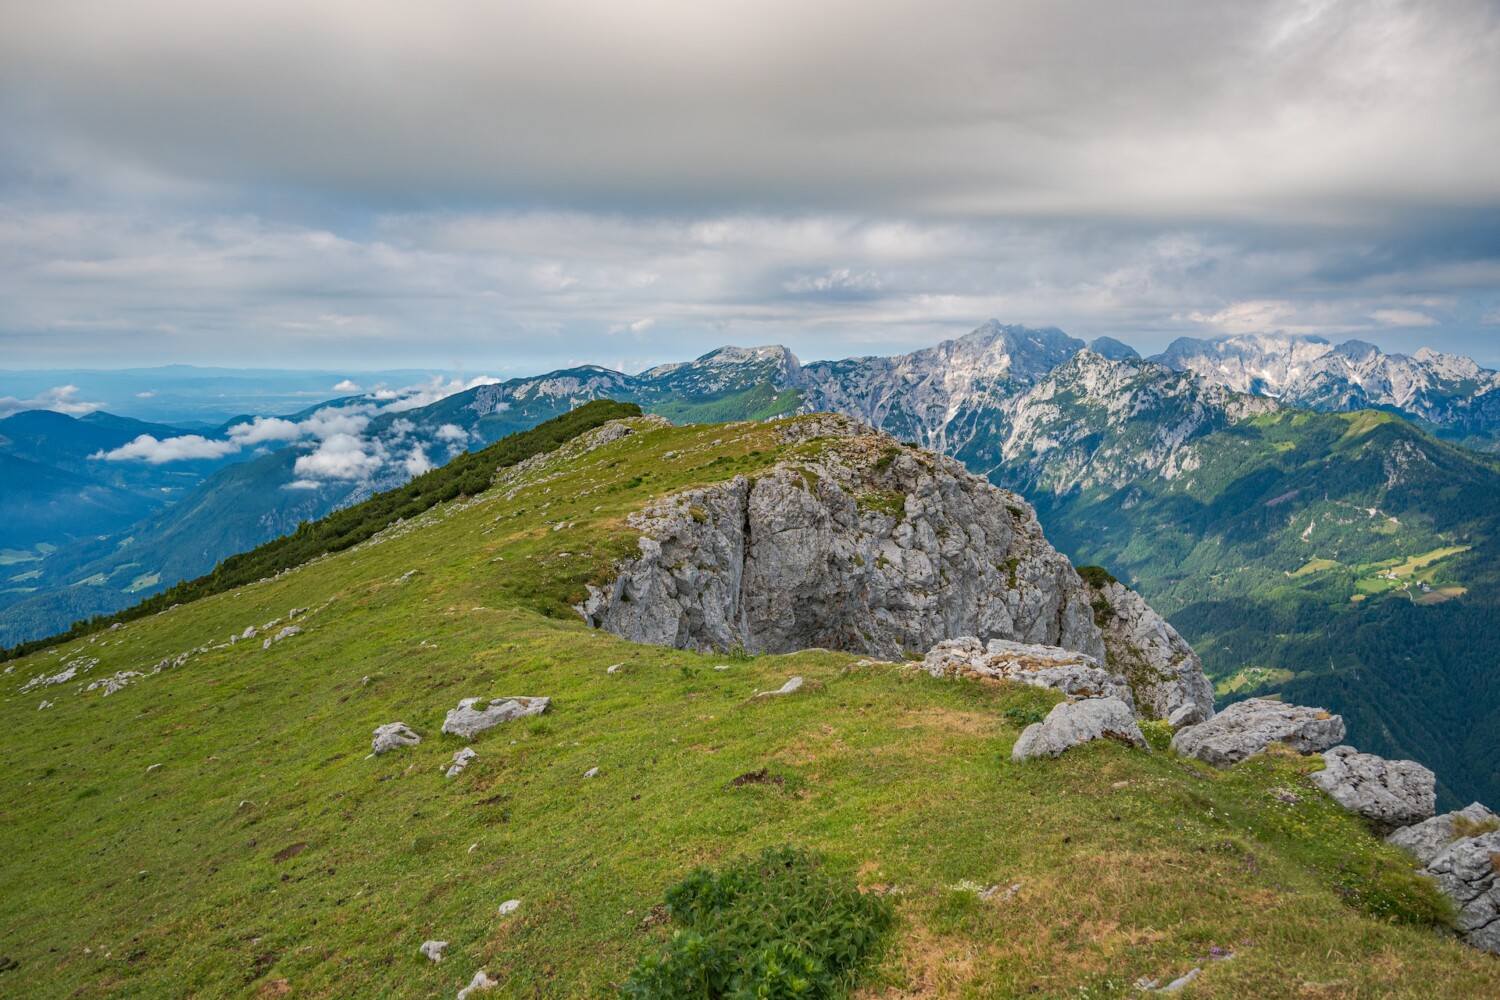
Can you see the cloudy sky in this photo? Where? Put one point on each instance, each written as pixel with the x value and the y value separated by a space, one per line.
pixel 510 187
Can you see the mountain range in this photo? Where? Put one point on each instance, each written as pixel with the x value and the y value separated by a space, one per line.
pixel 1267 493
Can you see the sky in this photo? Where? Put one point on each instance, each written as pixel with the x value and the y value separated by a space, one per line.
pixel 514 187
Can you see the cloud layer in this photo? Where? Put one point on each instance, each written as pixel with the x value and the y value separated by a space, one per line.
pixel 529 184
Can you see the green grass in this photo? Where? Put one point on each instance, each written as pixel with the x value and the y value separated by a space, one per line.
pixel 268 857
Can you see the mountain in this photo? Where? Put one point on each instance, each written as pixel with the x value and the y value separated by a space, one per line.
pixel 1451 393
pixel 210 821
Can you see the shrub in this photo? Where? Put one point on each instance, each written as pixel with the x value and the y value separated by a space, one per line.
pixel 776 927
pixel 1096 576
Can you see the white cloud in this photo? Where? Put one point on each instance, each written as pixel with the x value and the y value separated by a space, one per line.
pixel 347 385
pixel 342 456
pixel 417 462
pixel 452 432
pixel 1402 317
pixel 59 399
pixel 303 484
pixel 148 394
pixel 264 429
pixel 149 449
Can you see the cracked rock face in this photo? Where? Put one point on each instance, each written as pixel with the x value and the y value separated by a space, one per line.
pixel 1247 728
pixel 474 715
pixel 1162 669
pixel 1075 674
pixel 871 547
pixel 1073 723
pixel 1389 793
pixel 1466 872
pixel 1428 839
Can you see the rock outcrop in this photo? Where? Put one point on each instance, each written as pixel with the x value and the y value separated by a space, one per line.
pixel 391 736
pixel 1428 839
pixel 1073 723
pixel 1468 872
pixel 869 546
pixel 1075 674
pixel 475 715
pixel 1161 668
pixel 1389 793
pixel 1247 728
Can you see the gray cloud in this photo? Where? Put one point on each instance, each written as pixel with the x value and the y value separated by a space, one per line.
pixel 527 185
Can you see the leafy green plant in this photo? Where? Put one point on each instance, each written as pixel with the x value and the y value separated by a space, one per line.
pixel 776 927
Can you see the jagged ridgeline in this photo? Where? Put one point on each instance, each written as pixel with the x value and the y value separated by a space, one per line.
pixel 415 748
pixel 466 475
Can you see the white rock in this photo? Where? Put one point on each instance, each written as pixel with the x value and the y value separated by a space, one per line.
pixel 1248 727
pixel 509 906
pixel 613 669
pixel 792 685
pixel 591 772
pixel 1389 793
pixel 1428 839
pixel 44 704
pixel 475 715
pixel 433 949
pixel 153 768
pixel 393 735
pixel 480 982
pixel 460 761
pixel 1073 723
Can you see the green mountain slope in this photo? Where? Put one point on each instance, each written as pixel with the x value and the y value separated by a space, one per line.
pixel 267 856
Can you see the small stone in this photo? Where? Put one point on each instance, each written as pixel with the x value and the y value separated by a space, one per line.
pixel 481 981
pixel 722 666
pixel 433 949
pixel 591 772
pixel 460 761
pixel 1181 981
pixel 44 704
pixel 509 906
pixel 613 669
pixel 787 688
pixel 153 769
pixel 473 848
pixel 250 632
pixel 393 735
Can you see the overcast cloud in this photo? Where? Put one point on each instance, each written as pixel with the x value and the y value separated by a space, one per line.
pixel 514 187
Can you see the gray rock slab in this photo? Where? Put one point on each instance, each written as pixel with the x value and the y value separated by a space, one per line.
pixel 1429 838
pixel 1071 724
pixel 1247 728
pixel 393 735
pixel 1466 872
pixel 1388 793
pixel 475 715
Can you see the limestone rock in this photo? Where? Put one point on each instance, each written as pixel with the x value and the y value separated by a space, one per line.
pixel 1466 872
pixel 1248 727
pixel 481 981
pixel 1076 674
pixel 790 686
pixel 250 632
pixel 475 715
pixel 433 949
pixel 393 735
pixel 115 682
pixel 1073 723
pixel 1158 664
pixel 460 761
pixel 1428 839
pixel 1389 793
pixel 509 906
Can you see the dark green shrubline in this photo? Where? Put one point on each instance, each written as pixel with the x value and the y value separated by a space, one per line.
pixel 467 475
pixel 775 927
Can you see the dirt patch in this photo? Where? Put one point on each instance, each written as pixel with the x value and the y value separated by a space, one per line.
pixel 288 852
pixel 275 988
pixel 761 777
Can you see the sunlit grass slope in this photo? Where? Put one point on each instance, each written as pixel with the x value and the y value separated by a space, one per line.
pixel 267 856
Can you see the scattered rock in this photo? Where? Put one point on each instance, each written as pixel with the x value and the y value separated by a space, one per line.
pixel 1428 839
pixel 509 906
pixel 295 612
pixel 1001 892
pixel 614 668
pixel 472 848
pixel 478 983
pixel 792 685
pixel 1466 872
pixel 1181 981
pixel 722 666
pixel 475 715
pixel 1389 793
pixel 115 683
pixel 153 768
pixel 460 761
pixel 44 704
pixel 433 949
pixel 1076 674
pixel 116 627
pixel 1072 723
pixel 393 735
pixel 1248 727
pixel 250 632
pixel 407 576
pixel 591 772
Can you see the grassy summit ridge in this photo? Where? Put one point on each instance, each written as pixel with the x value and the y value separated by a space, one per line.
pixel 268 857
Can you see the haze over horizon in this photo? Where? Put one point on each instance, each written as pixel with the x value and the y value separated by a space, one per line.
pixel 513 190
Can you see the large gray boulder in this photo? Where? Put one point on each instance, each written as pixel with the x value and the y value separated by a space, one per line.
pixel 1428 839
pixel 1247 728
pixel 475 715
pixel 1078 675
pixel 868 546
pixel 1389 793
pixel 1466 872
pixel 1073 723
pixel 1157 662
pixel 392 736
